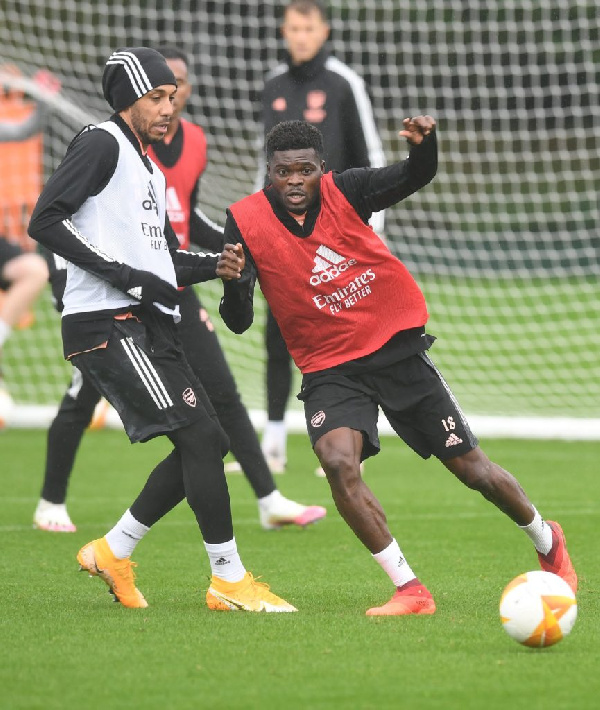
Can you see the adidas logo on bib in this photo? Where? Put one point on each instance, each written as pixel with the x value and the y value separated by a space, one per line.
pixel 328 265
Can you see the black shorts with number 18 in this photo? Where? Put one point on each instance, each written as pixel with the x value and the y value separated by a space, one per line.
pixel 412 394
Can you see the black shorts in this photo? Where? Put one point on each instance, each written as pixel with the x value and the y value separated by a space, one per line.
pixel 8 252
pixel 411 393
pixel 144 374
pixel 204 352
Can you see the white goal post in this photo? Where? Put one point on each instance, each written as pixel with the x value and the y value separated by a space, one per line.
pixel 505 241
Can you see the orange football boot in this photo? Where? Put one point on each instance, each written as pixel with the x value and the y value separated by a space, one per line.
pixel 97 558
pixel 246 595
pixel 557 560
pixel 411 598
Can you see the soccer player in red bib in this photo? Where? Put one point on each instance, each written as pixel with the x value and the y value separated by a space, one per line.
pixel 354 320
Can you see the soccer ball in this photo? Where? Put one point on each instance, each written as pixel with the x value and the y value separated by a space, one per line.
pixel 538 609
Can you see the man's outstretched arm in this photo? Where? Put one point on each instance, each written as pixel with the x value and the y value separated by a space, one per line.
pixel 237 305
pixel 369 190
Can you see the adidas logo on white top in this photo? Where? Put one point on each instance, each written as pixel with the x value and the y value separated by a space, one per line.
pixel 453 440
pixel 328 265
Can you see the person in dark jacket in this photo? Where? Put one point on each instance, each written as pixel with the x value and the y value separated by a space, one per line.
pixel 313 86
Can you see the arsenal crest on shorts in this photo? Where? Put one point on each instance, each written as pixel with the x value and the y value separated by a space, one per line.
pixel 189 397
pixel 317 419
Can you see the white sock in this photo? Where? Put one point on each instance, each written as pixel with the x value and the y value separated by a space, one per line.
pixel 394 565
pixel 44 505
pixel 126 534
pixel 225 562
pixel 5 331
pixel 274 438
pixel 266 502
pixel 539 532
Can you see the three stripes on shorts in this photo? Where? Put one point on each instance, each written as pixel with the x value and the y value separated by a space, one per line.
pixel 147 373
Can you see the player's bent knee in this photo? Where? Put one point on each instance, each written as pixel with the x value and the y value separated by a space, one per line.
pixel 200 437
pixel 216 433
pixel 475 472
pixel 30 267
pixel 39 268
pixel 341 468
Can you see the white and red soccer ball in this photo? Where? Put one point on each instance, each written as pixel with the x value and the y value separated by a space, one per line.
pixel 538 609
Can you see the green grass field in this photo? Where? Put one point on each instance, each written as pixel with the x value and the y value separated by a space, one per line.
pixel 66 645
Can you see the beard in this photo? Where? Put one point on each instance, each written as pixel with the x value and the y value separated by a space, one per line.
pixel 145 136
pixel 142 129
pixel 149 140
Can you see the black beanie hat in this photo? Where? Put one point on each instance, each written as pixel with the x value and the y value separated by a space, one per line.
pixel 132 72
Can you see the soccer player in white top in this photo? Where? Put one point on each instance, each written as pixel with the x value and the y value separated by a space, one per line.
pixel 103 210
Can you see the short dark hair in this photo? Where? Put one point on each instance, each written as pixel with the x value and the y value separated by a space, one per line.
pixel 294 135
pixel 169 51
pixel 304 7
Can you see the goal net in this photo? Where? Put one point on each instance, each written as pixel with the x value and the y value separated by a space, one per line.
pixel 505 241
